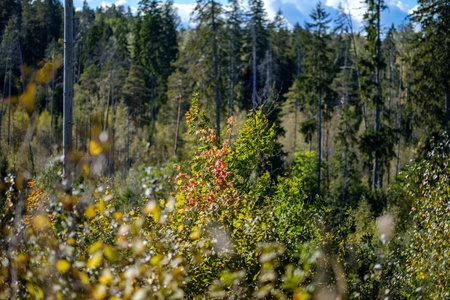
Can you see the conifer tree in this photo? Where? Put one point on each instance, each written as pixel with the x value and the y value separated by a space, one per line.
pixel 208 15
pixel 432 91
pixel 374 65
pixel 256 44
pixel 318 65
pixel 235 19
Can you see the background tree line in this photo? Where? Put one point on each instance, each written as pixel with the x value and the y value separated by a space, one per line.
pixel 363 102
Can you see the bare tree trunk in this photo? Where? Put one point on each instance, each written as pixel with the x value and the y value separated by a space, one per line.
pixel 9 106
pixel 105 125
pixel 297 101
pixel 1 105
pixel 399 115
pixel 319 165
pixel 113 119
pixel 77 133
pixel 87 136
pixel 295 123
pixel 447 107
pixel 377 104
pixel 51 117
pixel 152 98
pixel 216 74
pixel 254 70
pixel 21 67
pixel 31 158
pixel 140 111
pixel 128 142
pixel 358 73
pixel 68 85
pixel 178 124
pixel 229 79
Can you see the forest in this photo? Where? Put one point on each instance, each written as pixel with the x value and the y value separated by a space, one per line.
pixel 237 157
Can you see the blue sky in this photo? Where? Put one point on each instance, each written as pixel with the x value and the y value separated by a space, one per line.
pixel 293 10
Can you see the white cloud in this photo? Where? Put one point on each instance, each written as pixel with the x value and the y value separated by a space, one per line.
pixel 121 3
pixel 133 10
pixel 355 7
pixel 271 11
pixel 184 11
pixel 403 7
pixel 78 9
pixel 413 10
pixel 105 5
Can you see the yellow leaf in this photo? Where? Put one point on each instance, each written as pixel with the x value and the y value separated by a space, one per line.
pixel 110 253
pixel 150 207
pixel 40 222
pixel 95 148
pixel 27 98
pixel 195 235
pixel 155 260
pixel 86 170
pixel 89 212
pixel 106 276
pixel 84 278
pixel 95 247
pixel 179 182
pixel 132 213
pixel 95 260
pixel 101 205
pixel 99 291
pixel 62 266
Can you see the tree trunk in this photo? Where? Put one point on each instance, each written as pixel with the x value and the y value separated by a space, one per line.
pixel 319 165
pixel 178 124
pixel 254 70
pixel 447 107
pixel 216 74
pixel 152 98
pixel 31 158
pixel 87 136
pixel 128 142
pixel 377 103
pixel 1 105
pixel 68 85
pixel 140 110
pixel 9 104
pixel 21 67
pixel 105 124
pixel 113 119
pixel 399 115
pixel 297 101
pixel 51 117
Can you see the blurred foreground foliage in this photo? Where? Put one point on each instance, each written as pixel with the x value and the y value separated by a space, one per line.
pixel 224 226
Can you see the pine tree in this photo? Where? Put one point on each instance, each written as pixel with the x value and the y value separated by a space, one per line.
pixel 256 44
pixel 374 65
pixel 208 15
pixel 432 90
pixel 319 64
pixel 235 19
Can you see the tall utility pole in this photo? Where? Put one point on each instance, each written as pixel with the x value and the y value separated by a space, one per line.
pixel 68 85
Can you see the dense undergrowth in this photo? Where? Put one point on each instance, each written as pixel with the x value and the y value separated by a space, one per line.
pixel 226 226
